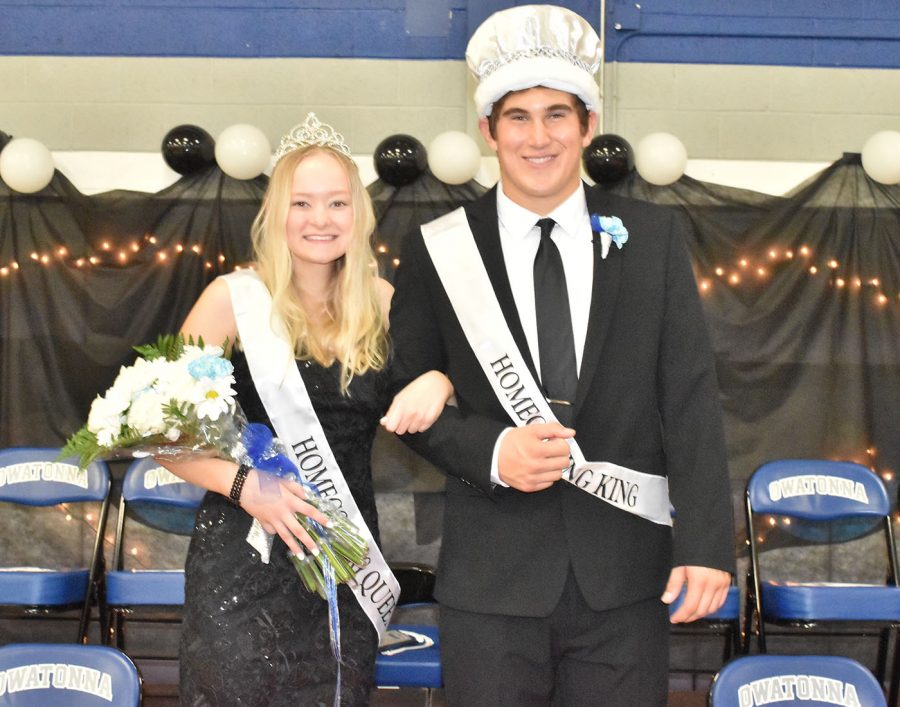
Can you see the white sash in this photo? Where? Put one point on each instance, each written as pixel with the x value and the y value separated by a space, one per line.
pixel 452 247
pixel 283 394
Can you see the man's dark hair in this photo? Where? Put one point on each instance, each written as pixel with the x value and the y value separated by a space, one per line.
pixel 497 109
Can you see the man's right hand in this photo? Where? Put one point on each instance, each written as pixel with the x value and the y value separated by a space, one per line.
pixel 534 457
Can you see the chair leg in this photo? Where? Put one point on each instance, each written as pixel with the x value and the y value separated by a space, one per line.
pixel 732 640
pixel 760 635
pixel 894 688
pixel 110 632
pixel 114 635
pixel 884 643
pixel 84 622
pixel 749 613
pixel 120 631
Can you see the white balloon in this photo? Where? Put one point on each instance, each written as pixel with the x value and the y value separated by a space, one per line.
pixel 881 157
pixel 243 151
pixel 660 158
pixel 454 157
pixel 26 165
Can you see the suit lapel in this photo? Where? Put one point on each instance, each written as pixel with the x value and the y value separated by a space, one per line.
pixel 604 292
pixel 482 216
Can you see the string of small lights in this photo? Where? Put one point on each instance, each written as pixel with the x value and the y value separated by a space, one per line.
pixel 747 271
pixel 108 254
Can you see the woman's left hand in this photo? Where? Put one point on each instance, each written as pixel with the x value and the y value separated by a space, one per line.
pixel 418 405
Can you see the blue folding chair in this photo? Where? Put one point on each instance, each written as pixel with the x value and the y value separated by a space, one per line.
pixel 824 502
pixel 150 595
pixel 33 477
pixel 416 614
pixel 67 675
pixel 801 680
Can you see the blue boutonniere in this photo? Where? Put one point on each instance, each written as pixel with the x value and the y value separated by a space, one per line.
pixel 612 226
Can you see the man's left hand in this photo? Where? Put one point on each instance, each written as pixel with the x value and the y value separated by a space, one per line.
pixel 707 589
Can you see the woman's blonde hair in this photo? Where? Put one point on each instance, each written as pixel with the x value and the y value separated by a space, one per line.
pixel 354 332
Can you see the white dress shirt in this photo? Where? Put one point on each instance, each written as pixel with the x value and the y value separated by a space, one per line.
pixel 519 239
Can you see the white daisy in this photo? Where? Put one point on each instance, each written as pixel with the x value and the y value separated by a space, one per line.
pixel 213 397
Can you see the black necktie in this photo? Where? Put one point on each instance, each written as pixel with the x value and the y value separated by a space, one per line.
pixel 556 344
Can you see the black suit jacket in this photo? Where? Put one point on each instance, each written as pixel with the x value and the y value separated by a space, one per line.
pixel 647 399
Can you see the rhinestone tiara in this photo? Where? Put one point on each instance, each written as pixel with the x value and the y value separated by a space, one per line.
pixel 311 131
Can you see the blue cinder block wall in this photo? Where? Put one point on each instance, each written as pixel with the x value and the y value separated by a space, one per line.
pixel 826 33
pixel 801 80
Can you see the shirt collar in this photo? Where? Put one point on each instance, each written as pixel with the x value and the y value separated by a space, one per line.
pixel 571 215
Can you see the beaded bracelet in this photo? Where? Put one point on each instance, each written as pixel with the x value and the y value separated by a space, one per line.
pixel 234 496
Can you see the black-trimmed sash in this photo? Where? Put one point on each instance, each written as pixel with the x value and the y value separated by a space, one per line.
pixel 284 395
pixel 452 248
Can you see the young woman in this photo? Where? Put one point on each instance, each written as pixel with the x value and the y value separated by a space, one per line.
pixel 313 316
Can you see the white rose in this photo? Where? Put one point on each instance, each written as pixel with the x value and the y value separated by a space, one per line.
pixel 146 414
pixel 117 399
pixel 133 379
pixel 107 437
pixel 177 383
pixel 105 419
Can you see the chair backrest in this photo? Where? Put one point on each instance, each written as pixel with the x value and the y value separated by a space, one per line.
pixel 805 680
pixel 829 501
pixel 147 485
pixel 34 476
pixel 67 675
pixel 148 482
pixel 817 489
pixel 42 492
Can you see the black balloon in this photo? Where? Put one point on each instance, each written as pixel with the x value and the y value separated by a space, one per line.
pixel 188 149
pixel 400 160
pixel 608 159
pixel 4 138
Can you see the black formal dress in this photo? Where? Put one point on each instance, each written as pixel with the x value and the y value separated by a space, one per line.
pixel 252 634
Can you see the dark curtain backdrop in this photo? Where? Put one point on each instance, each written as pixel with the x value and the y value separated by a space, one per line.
pixel 802 295
pixel 400 210
pixel 68 324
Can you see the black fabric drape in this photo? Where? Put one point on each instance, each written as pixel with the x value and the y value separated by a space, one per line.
pixel 400 210
pixel 88 277
pixel 802 295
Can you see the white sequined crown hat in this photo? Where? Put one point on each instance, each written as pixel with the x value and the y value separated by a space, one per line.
pixel 311 131
pixel 534 45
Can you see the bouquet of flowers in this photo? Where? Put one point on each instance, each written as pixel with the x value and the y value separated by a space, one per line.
pixel 177 400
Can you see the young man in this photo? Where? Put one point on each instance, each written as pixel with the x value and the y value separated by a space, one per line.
pixel 587 400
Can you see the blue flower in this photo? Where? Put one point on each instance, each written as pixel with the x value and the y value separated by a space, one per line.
pixel 611 225
pixel 210 367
